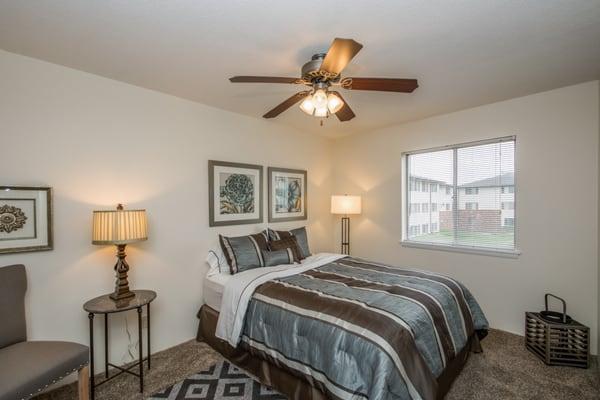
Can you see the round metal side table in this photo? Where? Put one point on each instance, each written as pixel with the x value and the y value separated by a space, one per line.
pixel 105 305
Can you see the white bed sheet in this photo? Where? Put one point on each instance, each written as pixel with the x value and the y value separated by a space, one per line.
pixel 213 290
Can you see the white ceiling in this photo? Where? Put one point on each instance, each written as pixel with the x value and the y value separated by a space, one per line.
pixel 464 53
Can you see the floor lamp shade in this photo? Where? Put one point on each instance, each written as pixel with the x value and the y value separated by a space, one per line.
pixel 346 205
pixel 120 227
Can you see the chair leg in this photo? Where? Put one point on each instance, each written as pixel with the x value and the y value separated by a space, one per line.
pixel 84 383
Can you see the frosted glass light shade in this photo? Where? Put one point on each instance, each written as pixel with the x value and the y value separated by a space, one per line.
pixel 321 112
pixel 319 99
pixel 334 103
pixel 119 227
pixel 345 204
pixel 307 105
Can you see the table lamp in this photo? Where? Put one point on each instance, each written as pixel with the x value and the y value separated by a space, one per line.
pixel 120 227
pixel 345 205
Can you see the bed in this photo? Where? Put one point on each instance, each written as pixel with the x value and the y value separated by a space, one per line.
pixel 338 327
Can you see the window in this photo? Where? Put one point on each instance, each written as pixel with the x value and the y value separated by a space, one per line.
pixel 415 230
pixel 415 208
pixel 424 187
pixel 472 215
pixel 507 205
pixel 415 185
pixel 471 205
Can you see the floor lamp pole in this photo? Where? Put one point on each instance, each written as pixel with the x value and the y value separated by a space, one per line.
pixel 345 235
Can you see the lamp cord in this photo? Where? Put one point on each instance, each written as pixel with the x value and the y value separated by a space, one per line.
pixel 130 345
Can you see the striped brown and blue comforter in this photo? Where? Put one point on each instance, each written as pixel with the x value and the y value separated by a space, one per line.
pixel 362 330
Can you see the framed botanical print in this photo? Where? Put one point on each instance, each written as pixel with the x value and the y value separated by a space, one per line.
pixel 25 219
pixel 287 194
pixel 235 193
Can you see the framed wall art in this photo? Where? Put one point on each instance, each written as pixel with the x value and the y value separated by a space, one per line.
pixel 25 219
pixel 287 194
pixel 235 193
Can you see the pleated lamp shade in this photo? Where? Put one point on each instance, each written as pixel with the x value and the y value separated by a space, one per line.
pixel 119 226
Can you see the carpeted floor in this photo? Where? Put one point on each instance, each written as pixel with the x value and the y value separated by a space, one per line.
pixel 505 370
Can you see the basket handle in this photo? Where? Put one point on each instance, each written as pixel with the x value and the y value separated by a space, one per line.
pixel 564 304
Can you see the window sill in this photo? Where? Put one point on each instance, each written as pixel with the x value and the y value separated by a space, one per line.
pixel 460 249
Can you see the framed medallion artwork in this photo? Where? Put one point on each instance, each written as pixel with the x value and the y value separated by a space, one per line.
pixel 25 219
pixel 235 193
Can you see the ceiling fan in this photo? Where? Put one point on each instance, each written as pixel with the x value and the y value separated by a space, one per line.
pixel 321 74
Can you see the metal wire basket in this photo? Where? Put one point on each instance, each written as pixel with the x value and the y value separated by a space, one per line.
pixel 556 338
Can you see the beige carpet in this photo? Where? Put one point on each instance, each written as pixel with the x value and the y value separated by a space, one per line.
pixel 505 370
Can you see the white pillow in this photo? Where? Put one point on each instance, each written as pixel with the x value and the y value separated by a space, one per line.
pixel 217 263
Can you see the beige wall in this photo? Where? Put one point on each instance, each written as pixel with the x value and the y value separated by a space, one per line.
pixel 98 142
pixel 557 212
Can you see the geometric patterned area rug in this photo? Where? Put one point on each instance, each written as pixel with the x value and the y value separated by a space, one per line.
pixel 222 381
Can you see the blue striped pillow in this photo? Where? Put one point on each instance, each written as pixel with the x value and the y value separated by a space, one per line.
pixel 244 252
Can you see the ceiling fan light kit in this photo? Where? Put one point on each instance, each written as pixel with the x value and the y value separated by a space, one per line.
pixel 322 72
pixel 320 103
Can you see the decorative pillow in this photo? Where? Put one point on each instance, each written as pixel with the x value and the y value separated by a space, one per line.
pixel 244 252
pixel 289 242
pixel 278 257
pixel 298 233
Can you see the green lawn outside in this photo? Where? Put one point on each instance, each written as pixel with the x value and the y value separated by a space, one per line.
pixel 504 239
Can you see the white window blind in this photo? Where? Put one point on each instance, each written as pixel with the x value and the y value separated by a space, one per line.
pixel 479 194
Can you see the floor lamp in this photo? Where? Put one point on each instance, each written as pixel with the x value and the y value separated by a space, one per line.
pixel 345 205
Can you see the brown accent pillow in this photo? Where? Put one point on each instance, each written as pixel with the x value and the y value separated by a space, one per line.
pixel 298 233
pixel 285 243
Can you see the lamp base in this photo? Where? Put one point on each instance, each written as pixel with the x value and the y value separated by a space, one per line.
pixel 121 296
pixel 346 235
pixel 121 284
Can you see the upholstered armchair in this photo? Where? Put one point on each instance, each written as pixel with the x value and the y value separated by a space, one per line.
pixel 28 367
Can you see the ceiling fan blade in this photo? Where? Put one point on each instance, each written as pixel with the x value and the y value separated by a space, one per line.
pixel 263 79
pixel 380 84
pixel 345 113
pixel 339 55
pixel 286 104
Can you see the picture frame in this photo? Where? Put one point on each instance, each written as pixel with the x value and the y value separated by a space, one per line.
pixel 235 193
pixel 287 194
pixel 25 219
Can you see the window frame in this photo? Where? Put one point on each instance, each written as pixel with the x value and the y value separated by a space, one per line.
pixel 406 242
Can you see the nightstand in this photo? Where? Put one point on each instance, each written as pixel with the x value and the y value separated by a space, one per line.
pixel 105 305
